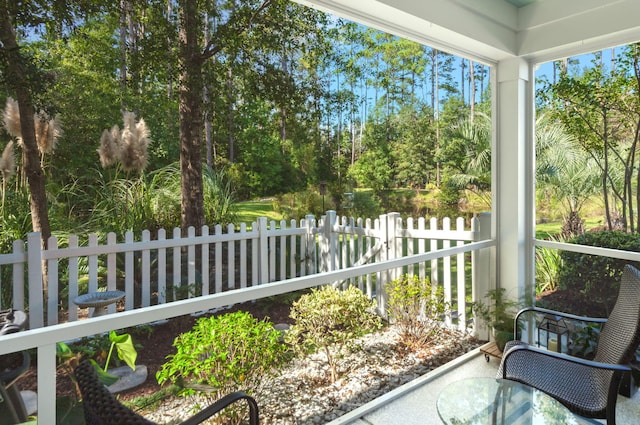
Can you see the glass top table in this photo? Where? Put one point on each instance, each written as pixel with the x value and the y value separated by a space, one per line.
pixel 480 401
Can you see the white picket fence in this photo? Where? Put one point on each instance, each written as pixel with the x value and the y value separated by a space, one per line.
pixel 161 270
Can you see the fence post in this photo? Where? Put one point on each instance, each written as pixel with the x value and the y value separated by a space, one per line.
pixel 36 289
pixel 309 259
pixel 381 293
pixel 394 236
pixel 481 277
pixel 328 243
pixel 18 277
pixel 263 254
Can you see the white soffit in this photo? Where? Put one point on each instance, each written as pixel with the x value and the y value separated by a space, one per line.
pixel 408 19
pixel 554 29
pixel 494 30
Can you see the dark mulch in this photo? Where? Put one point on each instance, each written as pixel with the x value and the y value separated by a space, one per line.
pixel 156 344
pixel 572 301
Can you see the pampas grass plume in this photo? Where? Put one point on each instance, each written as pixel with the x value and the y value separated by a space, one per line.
pixel 129 145
pixel 11 118
pixel 133 155
pixel 108 150
pixel 47 131
pixel 8 161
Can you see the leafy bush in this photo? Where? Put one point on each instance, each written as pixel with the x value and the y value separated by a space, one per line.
pixel 449 193
pixel 328 319
pixel 415 308
pixel 298 205
pixel 365 204
pixel 225 353
pixel 595 276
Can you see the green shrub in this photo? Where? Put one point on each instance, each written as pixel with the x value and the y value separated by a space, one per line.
pixel 365 204
pixel 225 353
pixel 596 276
pixel 328 319
pixel 415 308
pixel 449 193
pixel 298 205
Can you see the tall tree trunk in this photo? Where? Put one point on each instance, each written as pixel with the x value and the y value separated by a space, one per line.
pixel 436 108
pixel 19 83
pixel 283 108
pixel 230 114
pixel 205 99
pixel 132 47
pixel 472 90
pixel 123 53
pixel 462 79
pixel 169 62
pixel 190 107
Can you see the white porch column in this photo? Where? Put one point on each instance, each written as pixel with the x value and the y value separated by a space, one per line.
pixel 513 193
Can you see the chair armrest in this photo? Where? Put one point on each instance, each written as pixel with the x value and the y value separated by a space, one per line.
pixel 554 313
pixel 562 357
pixel 220 404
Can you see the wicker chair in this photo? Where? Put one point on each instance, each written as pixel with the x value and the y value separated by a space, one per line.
pixel 588 388
pixel 102 408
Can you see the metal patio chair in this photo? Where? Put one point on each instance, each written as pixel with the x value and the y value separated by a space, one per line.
pixel 588 388
pixel 102 408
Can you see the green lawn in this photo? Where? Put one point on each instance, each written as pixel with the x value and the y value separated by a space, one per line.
pixel 249 211
pixel 544 230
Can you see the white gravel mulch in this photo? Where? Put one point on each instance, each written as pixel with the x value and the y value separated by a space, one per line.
pixel 303 395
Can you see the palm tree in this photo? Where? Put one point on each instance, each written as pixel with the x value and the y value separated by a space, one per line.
pixel 475 132
pixel 565 170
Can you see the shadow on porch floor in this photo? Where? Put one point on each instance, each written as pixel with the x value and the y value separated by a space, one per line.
pixel 415 402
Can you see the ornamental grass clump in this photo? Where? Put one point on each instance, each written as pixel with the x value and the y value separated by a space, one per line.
pixel 222 354
pixel 415 307
pixel 330 320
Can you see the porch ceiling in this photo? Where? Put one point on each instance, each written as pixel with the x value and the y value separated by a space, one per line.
pixel 494 30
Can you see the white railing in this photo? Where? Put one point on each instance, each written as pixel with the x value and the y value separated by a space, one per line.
pixel 45 339
pixel 364 261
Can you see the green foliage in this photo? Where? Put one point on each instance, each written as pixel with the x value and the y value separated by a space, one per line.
pixel 373 169
pixel 449 193
pixel 95 348
pixel 498 312
pixel 15 222
pixel 596 276
pixel 415 307
pixel 147 202
pixel 298 205
pixel 584 340
pixel 366 204
pixel 329 319
pixel 219 199
pixel 125 349
pixel 548 266
pixel 225 353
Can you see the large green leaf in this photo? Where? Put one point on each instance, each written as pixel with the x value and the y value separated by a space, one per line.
pixel 104 377
pixel 124 345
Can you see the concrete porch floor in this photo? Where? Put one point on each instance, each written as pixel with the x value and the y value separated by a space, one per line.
pixel 415 402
